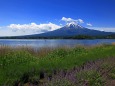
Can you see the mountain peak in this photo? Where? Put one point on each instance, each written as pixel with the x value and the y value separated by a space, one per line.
pixel 73 25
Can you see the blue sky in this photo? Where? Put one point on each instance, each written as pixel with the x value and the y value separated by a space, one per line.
pixel 46 15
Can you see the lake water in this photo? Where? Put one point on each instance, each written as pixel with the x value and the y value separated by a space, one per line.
pixel 39 43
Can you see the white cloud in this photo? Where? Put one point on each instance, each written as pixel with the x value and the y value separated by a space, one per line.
pixel 9 32
pixel 106 29
pixel 34 27
pixel 80 20
pixel 69 20
pixel 27 29
pixel 89 24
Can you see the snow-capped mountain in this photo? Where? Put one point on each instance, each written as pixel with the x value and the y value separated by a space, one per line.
pixel 72 29
pixel 73 25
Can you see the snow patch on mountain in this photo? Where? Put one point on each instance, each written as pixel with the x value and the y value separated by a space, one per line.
pixel 73 25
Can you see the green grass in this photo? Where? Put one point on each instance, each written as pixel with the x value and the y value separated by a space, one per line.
pixel 112 74
pixel 15 63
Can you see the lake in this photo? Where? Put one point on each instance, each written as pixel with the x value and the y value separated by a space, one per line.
pixel 39 43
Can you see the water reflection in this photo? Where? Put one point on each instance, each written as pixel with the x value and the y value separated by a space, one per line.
pixel 39 43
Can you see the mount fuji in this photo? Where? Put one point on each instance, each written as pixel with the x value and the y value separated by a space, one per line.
pixel 72 29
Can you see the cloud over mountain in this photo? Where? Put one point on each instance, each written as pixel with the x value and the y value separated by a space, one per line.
pixel 68 20
pixel 89 24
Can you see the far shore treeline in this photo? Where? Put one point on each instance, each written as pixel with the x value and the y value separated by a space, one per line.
pixel 61 37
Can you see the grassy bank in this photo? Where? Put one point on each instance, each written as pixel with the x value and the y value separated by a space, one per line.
pixel 23 65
